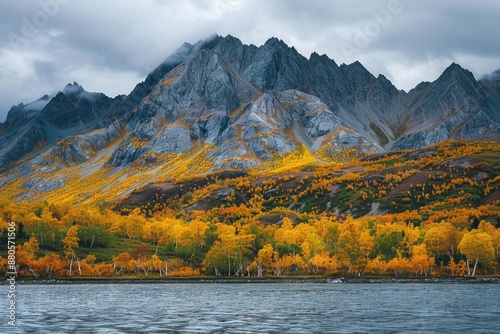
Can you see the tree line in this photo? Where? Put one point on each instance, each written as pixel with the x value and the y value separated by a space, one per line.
pixel 63 240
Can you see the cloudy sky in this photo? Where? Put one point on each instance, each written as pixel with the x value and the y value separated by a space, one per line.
pixel 109 46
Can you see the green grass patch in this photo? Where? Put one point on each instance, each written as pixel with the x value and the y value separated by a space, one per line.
pixel 382 138
pixel 402 128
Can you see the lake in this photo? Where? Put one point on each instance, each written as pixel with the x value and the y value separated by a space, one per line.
pixel 254 308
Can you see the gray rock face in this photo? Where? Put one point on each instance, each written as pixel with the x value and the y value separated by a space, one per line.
pixel 258 131
pixel 149 129
pixel 44 185
pixel 127 152
pixel 312 114
pixel 455 106
pixel 78 149
pixel 422 138
pixel 212 126
pixel 239 164
pixel 172 139
pixel 352 140
pixel 262 128
pixel 226 152
pixel 223 193
pixel 202 85
pixel 21 141
pixel 186 51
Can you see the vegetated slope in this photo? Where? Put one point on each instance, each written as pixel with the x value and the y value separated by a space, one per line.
pixel 418 212
pixel 424 182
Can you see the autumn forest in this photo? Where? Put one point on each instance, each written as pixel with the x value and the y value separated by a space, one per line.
pixel 427 212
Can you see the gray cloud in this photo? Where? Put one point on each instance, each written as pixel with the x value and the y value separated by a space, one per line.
pixel 110 46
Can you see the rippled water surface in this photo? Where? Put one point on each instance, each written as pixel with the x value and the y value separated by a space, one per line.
pixel 255 308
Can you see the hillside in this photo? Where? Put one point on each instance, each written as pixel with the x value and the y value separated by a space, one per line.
pixel 402 213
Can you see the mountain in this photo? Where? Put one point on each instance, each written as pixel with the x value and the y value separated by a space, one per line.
pixel 74 111
pixel 454 106
pixel 491 86
pixel 220 104
pixel 33 127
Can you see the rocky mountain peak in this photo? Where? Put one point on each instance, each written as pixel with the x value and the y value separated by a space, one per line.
pixel 73 88
pixel 23 113
pixel 356 74
pixel 386 83
pixel 454 106
pixel 456 73
pixel 187 50
pixel 495 76
pixel 227 46
pixel 274 42
pixel 315 58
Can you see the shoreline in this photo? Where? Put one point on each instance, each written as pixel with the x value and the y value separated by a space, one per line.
pixel 263 280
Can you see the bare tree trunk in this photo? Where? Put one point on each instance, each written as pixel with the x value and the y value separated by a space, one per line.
pixel 70 267
pixel 452 267
pixel 79 268
pixel 33 272
pixel 475 266
pixel 450 255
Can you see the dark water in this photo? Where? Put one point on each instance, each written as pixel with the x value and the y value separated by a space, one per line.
pixel 255 308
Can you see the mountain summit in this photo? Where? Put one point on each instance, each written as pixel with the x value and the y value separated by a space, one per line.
pixel 236 106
